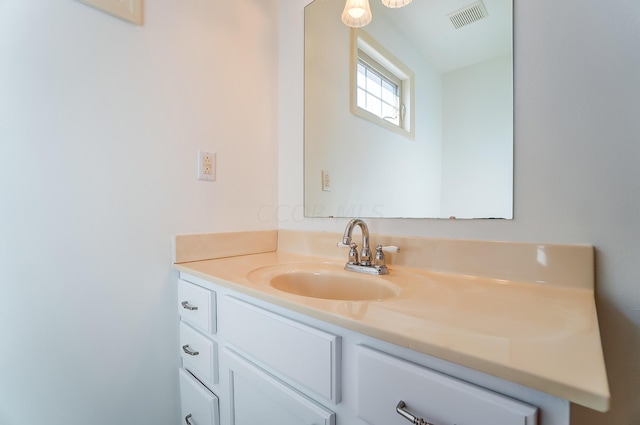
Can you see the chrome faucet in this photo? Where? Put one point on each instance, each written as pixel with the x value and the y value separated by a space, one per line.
pixel 362 263
pixel 365 255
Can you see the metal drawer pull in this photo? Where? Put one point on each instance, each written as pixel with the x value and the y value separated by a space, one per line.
pixel 189 351
pixel 186 419
pixel 186 305
pixel 408 416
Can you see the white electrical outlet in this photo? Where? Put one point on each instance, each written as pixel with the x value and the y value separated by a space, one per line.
pixel 206 166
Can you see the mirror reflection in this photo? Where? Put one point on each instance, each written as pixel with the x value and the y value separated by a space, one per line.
pixel 436 141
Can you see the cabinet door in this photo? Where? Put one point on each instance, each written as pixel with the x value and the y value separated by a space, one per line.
pixel 199 405
pixel 259 398
pixel 384 381
pixel 285 347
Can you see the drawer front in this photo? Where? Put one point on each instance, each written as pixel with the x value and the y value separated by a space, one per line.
pixel 197 306
pixel 258 398
pixel 199 405
pixel 199 354
pixel 297 353
pixel 383 381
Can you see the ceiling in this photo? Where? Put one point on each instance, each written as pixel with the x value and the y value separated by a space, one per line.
pixel 447 48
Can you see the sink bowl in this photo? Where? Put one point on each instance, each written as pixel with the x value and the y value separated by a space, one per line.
pixel 325 281
pixel 329 286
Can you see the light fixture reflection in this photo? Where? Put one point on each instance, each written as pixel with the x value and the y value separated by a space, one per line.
pixel 356 13
pixel 394 4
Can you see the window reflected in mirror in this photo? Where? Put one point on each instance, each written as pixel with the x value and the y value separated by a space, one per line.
pixel 383 85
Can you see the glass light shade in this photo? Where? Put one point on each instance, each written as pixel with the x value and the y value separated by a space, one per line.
pixel 356 13
pixel 394 4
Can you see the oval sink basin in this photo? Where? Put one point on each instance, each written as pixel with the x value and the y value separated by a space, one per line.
pixel 330 286
pixel 325 281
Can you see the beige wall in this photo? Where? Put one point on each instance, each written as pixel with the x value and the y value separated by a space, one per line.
pixel 577 97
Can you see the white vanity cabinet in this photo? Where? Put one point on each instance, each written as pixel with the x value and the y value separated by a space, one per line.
pixel 257 368
pixel 272 365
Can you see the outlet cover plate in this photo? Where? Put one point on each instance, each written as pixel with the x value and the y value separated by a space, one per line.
pixel 206 166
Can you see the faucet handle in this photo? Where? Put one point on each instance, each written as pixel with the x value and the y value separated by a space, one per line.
pixel 380 250
pixel 353 254
pixel 379 258
pixel 389 248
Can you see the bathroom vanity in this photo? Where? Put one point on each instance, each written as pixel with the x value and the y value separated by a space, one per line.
pixel 509 337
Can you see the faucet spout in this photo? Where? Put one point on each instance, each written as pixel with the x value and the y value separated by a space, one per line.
pixel 365 255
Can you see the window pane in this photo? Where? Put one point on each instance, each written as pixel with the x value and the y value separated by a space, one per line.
pixel 390 113
pixel 361 76
pixel 389 92
pixel 387 85
pixel 373 105
pixel 374 84
pixel 380 87
pixel 378 90
pixel 361 98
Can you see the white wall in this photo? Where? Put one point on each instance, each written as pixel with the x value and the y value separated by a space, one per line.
pixel 100 121
pixel 477 157
pixel 577 97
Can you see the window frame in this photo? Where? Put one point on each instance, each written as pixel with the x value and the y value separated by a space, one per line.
pixel 361 41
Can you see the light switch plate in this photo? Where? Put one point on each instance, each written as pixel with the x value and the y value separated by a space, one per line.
pixel 326 181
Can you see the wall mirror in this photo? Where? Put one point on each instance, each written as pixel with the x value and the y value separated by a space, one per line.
pixel 453 156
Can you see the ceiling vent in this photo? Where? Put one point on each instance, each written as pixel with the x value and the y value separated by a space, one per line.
pixel 468 15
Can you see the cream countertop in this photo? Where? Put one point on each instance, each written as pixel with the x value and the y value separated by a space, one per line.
pixel 543 336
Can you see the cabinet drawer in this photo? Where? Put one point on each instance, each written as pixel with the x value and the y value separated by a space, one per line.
pixel 384 380
pixel 199 405
pixel 199 354
pixel 259 398
pixel 297 353
pixel 197 306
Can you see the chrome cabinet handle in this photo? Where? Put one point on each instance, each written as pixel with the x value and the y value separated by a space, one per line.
pixel 400 408
pixel 189 351
pixel 185 304
pixel 186 419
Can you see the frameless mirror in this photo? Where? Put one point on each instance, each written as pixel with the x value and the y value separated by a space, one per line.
pixel 437 142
